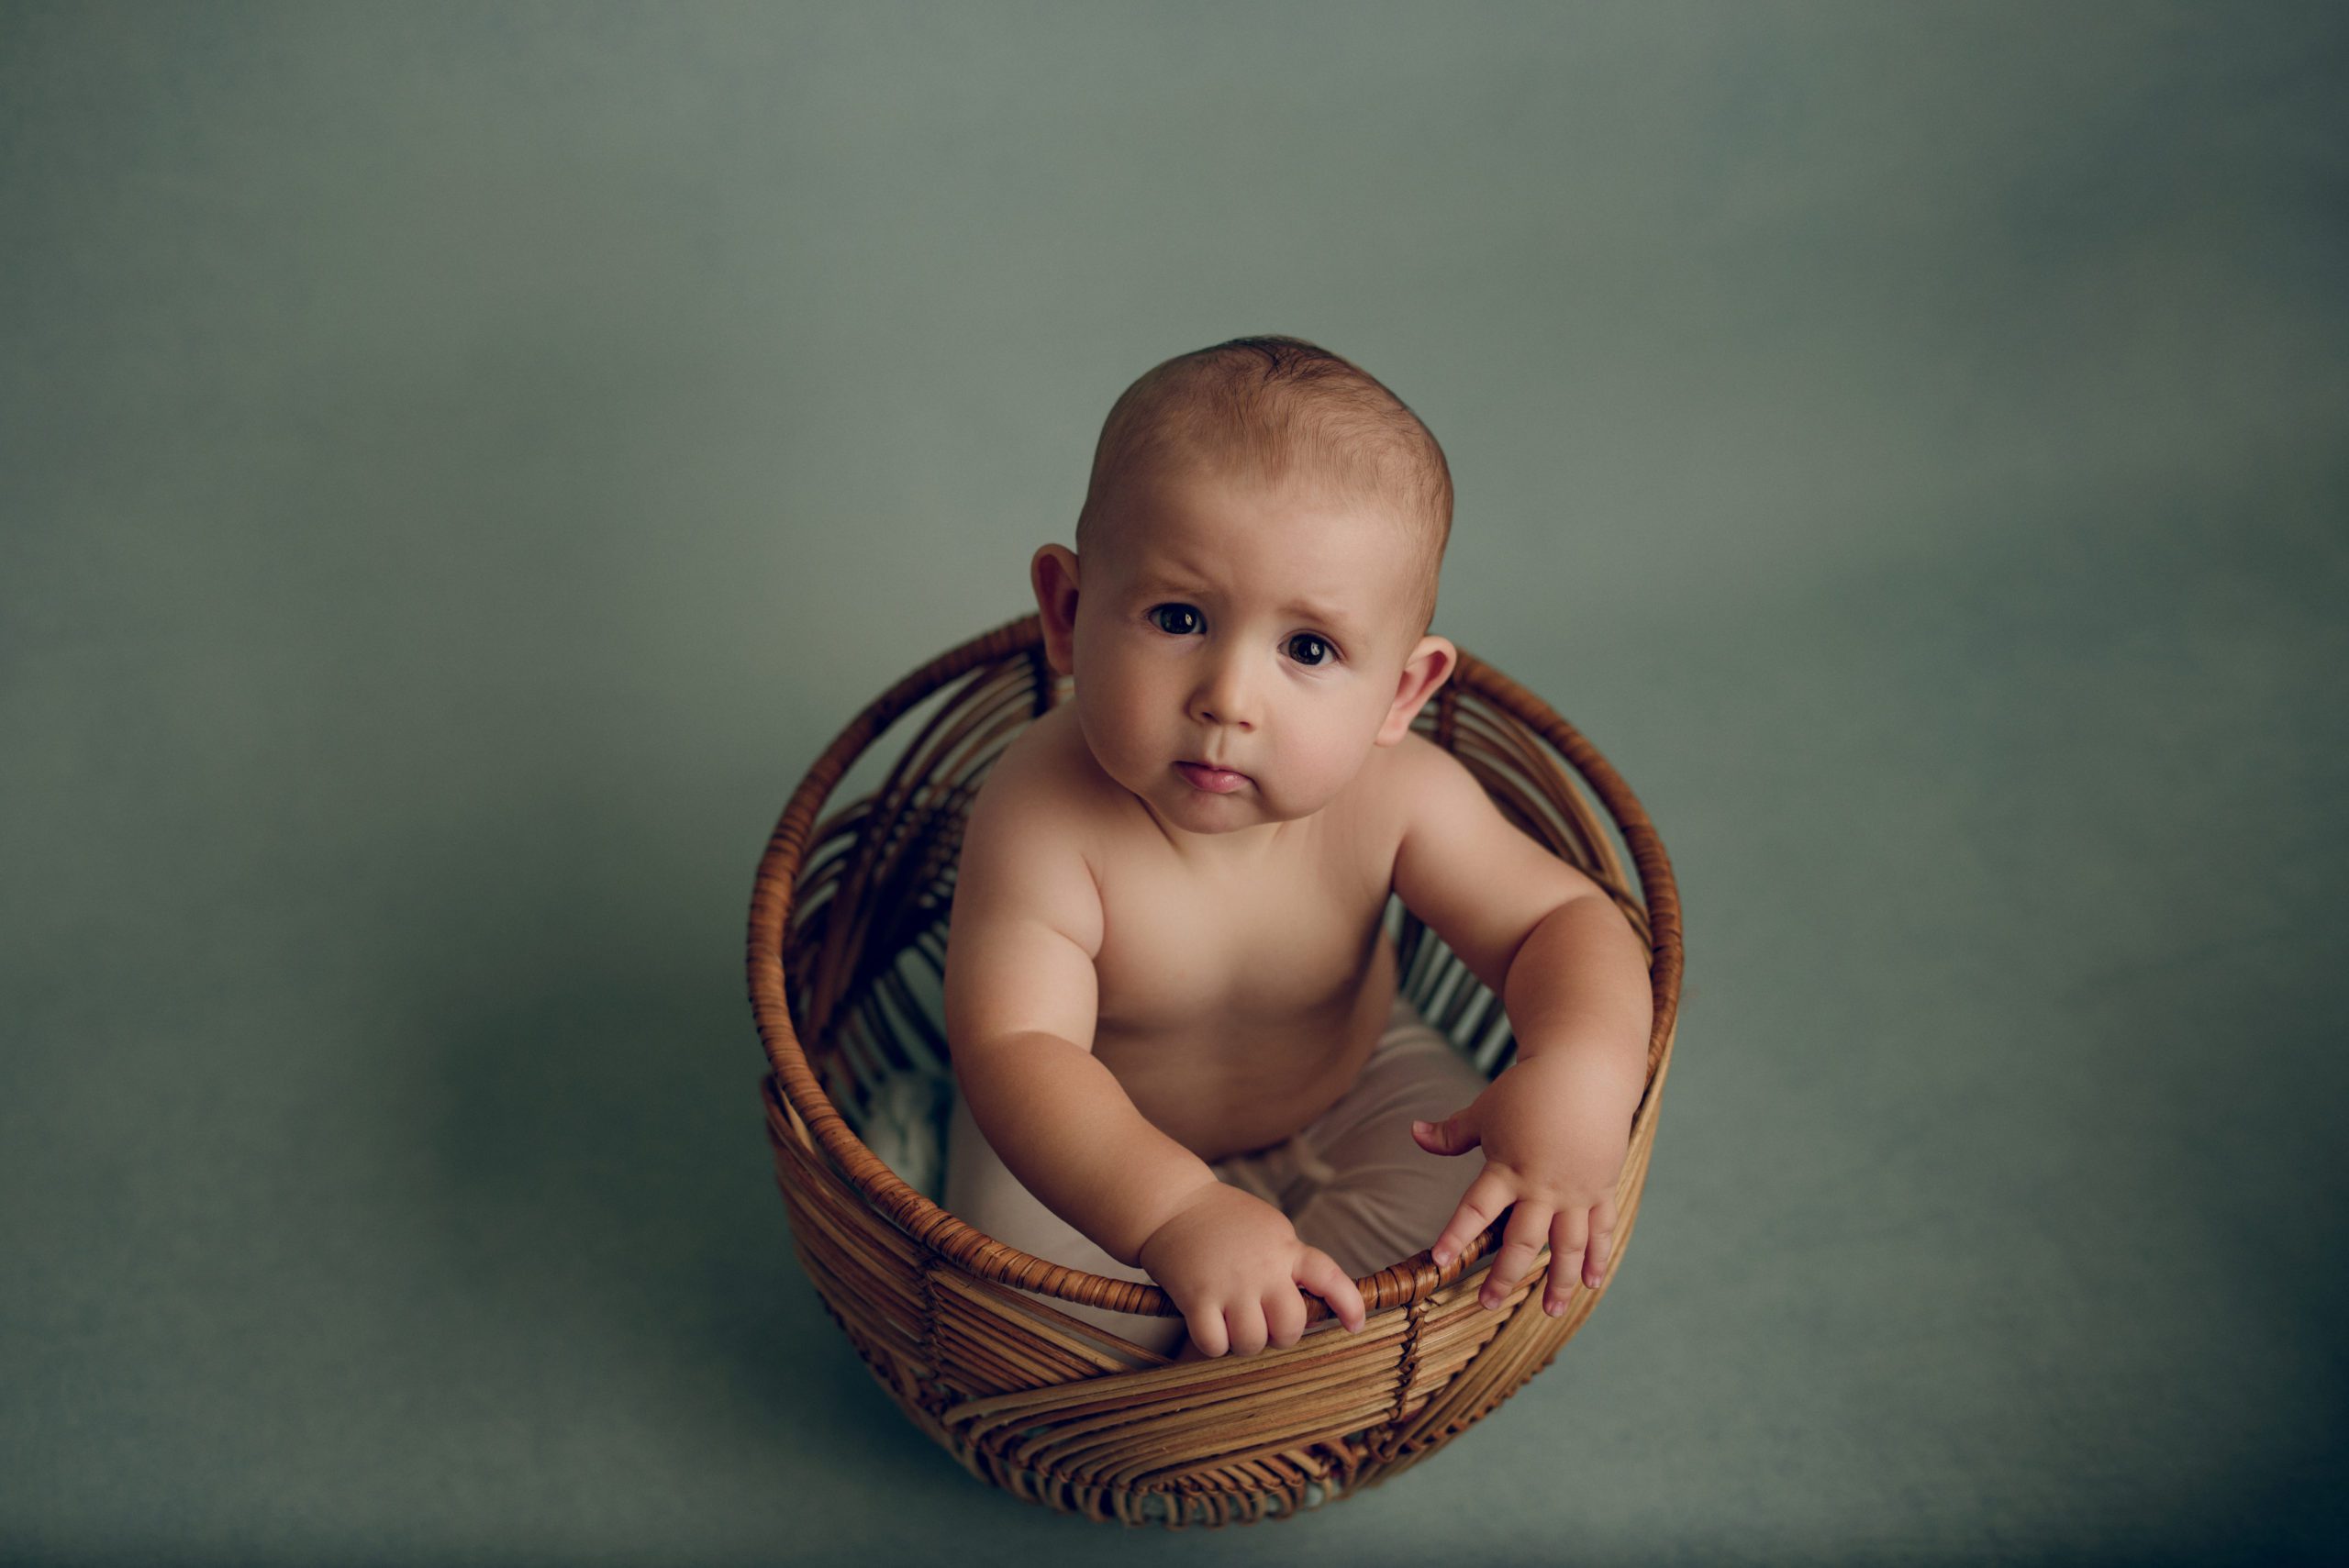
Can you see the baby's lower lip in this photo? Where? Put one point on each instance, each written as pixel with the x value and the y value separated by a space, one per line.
pixel 1215 780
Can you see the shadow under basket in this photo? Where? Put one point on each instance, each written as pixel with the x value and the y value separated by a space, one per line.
pixel 847 959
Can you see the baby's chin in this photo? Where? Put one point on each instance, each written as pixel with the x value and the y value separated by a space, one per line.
pixel 1204 811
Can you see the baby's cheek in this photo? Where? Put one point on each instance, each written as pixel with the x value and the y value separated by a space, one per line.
pixel 1111 747
pixel 1313 781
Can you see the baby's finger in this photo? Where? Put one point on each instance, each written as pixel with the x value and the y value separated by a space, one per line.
pixel 1486 1198
pixel 1521 1243
pixel 1246 1321
pixel 1318 1273
pixel 1602 1243
pixel 1569 1234
pixel 1207 1333
pixel 1283 1317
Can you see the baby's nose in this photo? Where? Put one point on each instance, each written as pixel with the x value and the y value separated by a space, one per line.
pixel 1226 698
pixel 1223 713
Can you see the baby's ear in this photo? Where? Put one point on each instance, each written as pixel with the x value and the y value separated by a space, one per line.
pixel 1051 571
pixel 1430 665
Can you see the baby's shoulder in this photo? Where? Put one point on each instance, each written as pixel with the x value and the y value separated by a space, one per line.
pixel 1044 777
pixel 1026 856
pixel 1395 777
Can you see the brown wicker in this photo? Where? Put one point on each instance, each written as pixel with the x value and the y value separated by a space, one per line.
pixel 954 1324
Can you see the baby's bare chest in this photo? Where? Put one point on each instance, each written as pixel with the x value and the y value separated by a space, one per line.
pixel 1281 942
pixel 1235 1012
pixel 1173 948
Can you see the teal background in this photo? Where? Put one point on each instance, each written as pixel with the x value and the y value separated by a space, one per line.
pixel 459 465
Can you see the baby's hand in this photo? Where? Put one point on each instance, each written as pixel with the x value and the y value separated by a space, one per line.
pixel 1554 1132
pixel 1232 1262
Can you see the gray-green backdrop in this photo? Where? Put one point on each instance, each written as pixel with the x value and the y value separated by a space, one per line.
pixel 460 465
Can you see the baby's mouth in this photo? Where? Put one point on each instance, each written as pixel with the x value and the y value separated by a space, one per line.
pixel 1214 781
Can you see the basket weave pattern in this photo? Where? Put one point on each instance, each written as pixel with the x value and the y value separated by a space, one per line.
pixel 849 910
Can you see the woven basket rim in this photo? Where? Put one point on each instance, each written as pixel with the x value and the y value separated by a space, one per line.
pixel 939 1232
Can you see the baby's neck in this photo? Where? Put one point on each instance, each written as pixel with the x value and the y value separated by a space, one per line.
pixel 1243 849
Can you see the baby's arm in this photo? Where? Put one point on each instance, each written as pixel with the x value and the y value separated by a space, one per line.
pixel 1021 1002
pixel 1555 1126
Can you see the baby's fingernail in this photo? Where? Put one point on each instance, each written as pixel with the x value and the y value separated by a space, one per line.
pixel 1555 1307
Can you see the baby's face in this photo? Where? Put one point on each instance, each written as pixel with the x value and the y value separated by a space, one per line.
pixel 1259 631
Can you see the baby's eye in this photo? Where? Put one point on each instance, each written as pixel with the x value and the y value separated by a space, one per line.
pixel 1326 654
pixel 1183 613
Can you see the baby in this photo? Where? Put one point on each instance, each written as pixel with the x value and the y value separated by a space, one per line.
pixel 1168 993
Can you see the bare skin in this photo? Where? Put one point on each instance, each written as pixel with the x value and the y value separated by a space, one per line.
pixel 1146 974
pixel 1237 1003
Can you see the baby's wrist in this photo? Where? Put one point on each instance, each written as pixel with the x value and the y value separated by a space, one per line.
pixel 1175 1208
pixel 1587 1072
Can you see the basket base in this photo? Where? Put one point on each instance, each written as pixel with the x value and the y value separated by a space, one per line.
pixel 1181 1505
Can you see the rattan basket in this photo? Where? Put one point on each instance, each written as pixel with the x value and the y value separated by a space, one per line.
pixel 847 954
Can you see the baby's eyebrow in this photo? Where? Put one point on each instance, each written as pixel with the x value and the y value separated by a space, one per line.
pixel 1325 616
pixel 1158 582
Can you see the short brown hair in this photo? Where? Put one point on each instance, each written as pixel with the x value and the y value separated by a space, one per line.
pixel 1270 407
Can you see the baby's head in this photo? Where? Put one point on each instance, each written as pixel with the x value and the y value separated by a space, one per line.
pixel 1255 571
